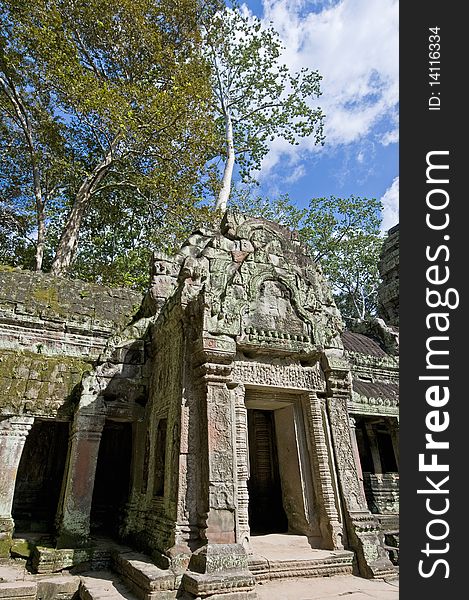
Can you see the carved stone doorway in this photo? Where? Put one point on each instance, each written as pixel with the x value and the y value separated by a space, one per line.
pixel 40 475
pixel 280 486
pixel 266 512
pixel 112 480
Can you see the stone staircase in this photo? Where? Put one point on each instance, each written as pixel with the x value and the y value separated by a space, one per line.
pixel 103 585
pixel 117 572
pixel 279 556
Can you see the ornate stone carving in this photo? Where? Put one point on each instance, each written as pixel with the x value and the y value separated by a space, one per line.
pixel 242 515
pixel 293 376
pixel 331 527
pixel 363 527
pixel 373 406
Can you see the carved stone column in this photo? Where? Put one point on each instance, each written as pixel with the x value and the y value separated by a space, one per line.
pixel 242 509
pixel 394 430
pixel 356 454
pixel 74 520
pixel 362 527
pixel 329 521
pixel 375 457
pixel 221 564
pixel 13 433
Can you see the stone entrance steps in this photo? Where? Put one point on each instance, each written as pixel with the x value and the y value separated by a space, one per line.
pixel 16 583
pixel 103 585
pixel 144 578
pixel 279 556
pixel 123 574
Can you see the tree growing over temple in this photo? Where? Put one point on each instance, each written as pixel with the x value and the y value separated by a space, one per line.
pixel 256 97
pixel 101 102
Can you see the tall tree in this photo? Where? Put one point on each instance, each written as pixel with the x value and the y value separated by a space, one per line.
pixel 256 98
pixel 96 97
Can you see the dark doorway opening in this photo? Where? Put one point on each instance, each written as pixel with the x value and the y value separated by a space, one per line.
pixel 40 475
pixel 111 485
pixel 266 512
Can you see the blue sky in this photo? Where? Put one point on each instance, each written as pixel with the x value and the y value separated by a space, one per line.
pixel 354 45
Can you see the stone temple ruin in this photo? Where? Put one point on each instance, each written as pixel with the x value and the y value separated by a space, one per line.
pixel 167 439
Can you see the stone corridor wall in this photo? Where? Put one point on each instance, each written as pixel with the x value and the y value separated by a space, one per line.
pixel 52 330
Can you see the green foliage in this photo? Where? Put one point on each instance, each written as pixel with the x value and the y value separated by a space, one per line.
pixel 343 235
pixel 117 243
pixel 281 209
pixel 96 98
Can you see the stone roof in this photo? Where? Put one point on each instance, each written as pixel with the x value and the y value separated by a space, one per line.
pixel 363 344
pixel 52 331
pixel 378 389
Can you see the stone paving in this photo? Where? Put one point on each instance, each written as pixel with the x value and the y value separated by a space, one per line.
pixel 338 587
pixel 16 581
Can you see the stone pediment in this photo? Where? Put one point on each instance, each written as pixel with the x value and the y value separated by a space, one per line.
pixel 259 285
pixel 270 318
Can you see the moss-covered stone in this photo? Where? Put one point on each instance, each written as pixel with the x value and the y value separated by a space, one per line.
pixel 21 547
pixel 5 545
pixel 41 294
pixel 38 385
pixel 51 560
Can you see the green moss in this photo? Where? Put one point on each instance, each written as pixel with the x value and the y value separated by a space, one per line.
pixel 39 385
pixel 5 545
pixel 22 548
pixel 48 296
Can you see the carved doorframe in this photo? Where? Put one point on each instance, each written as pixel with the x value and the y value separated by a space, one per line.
pixel 319 447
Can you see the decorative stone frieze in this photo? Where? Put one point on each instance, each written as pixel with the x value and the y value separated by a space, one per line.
pixel 286 376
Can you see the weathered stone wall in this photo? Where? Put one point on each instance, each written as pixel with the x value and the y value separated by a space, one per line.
pixel 154 498
pixel 52 330
pixel 372 353
pixel 388 293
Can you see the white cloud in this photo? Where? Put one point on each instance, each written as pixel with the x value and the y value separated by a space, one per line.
pixel 390 201
pixel 390 137
pixel 354 45
pixel 297 173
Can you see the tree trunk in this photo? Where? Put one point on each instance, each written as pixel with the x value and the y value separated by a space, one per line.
pixel 41 238
pixel 23 118
pixel 224 194
pixel 68 243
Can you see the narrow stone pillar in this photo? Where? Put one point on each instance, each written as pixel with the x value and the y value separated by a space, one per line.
pixel 13 434
pixel 242 462
pixel 356 454
pixel 221 564
pixel 74 520
pixel 394 430
pixel 363 532
pixel 221 466
pixel 331 527
pixel 376 458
